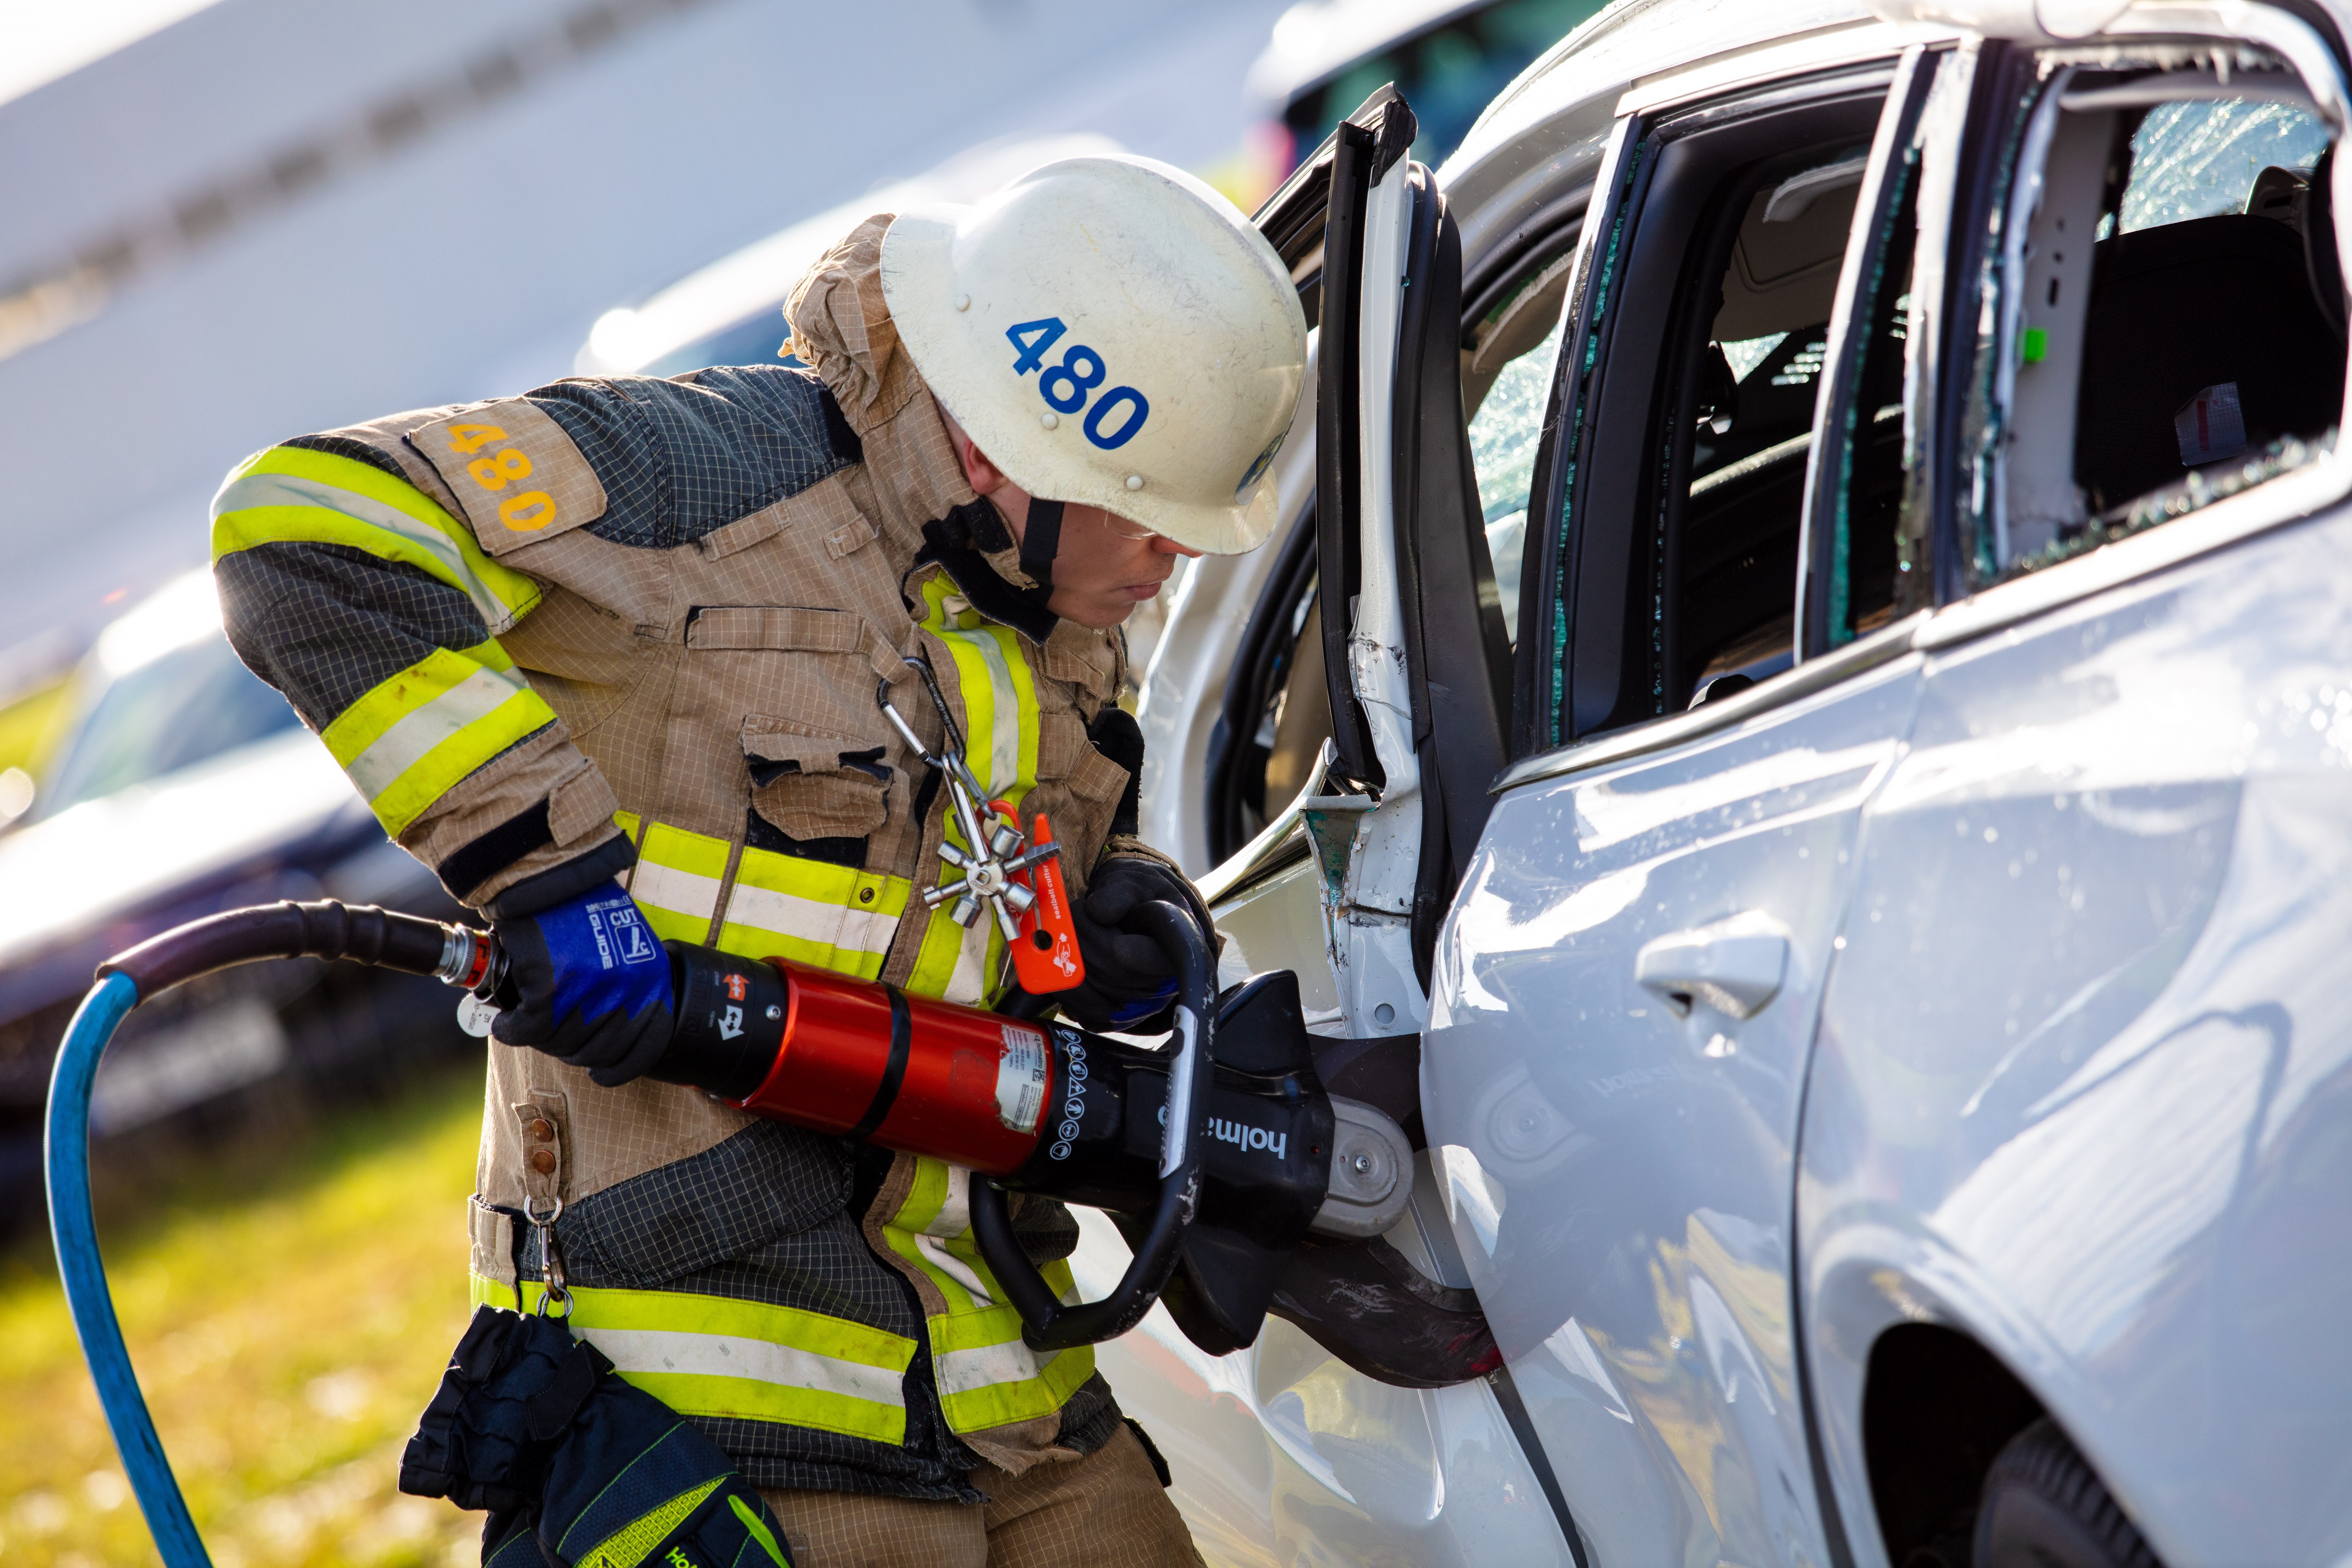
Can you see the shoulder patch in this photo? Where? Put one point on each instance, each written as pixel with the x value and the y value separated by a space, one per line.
pixel 518 476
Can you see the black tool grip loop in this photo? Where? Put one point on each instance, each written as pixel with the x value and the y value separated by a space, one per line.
pixel 1048 1323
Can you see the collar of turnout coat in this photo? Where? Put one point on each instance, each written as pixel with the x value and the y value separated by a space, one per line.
pixel 976 549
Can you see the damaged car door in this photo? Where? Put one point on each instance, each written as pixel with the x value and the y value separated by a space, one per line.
pixel 1370 1418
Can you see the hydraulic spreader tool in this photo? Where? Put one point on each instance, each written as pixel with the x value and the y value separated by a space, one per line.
pixel 1218 1153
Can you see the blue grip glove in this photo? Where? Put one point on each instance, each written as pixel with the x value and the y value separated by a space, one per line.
pixel 587 983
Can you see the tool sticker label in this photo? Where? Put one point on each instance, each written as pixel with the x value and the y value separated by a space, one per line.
pixel 1021 1078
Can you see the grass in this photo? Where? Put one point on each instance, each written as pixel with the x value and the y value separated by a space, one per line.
pixel 289 1311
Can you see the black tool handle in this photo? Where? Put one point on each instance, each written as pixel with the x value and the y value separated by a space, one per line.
pixel 1048 1323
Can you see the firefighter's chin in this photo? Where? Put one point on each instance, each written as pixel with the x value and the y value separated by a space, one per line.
pixel 1100 608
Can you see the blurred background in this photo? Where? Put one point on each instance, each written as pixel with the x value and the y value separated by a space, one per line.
pixel 227 222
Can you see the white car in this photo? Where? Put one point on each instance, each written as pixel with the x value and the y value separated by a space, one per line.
pixel 1823 536
pixel 183 785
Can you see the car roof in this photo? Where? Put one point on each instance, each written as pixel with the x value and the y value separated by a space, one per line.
pixel 1544 133
pixel 1633 39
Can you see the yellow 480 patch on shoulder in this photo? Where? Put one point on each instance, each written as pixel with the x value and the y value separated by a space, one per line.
pixel 518 477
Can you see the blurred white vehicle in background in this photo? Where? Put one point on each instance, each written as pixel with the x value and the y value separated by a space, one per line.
pixel 184 785
pixel 730 312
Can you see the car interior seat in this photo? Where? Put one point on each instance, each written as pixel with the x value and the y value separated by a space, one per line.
pixel 2185 306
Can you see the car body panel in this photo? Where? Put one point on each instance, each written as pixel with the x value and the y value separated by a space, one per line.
pixel 2106 1121
pixel 1284 1454
pixel 1619 1177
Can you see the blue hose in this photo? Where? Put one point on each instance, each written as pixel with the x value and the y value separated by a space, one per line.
pixel 75 1230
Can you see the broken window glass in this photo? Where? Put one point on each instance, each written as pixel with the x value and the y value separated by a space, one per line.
pixel 2166 312
pixel 2199 160
pixel 1504 436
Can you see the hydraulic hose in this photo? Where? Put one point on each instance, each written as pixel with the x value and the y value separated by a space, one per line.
pixel 325 929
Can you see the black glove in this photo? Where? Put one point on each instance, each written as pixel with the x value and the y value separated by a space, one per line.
pixel 533 1426
pixel 1130 985
pixel 588 984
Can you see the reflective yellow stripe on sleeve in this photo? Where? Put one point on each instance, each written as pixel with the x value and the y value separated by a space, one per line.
pixel 714 1356
pixel 287 494
pixel 405 743
pixel 832 917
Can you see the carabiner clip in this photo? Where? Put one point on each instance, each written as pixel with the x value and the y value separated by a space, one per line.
pixel 554 1292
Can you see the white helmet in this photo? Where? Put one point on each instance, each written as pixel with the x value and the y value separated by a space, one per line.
pixel 1111 332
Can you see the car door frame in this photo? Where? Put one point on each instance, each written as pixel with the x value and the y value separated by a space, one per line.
pixel 1396 504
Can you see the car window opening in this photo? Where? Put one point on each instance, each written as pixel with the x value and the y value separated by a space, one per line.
pixel 1743 427
pixel 2171 305
pixel 1508 359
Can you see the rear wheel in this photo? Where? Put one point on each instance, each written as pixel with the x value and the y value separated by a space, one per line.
pixel 2044 1506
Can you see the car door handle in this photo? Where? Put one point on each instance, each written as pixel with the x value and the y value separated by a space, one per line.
pixel 1734 966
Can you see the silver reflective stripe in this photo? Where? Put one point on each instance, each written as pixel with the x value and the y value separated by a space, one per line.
pixel 1003 713
pixel 969 983
pixel 667 888
pixel 955 1210
pixel 936 1252
pixel 962 1372
pixel 810 920
pixel 283 490
pixel 405 746
pixel 728 1355
pixel 952 1220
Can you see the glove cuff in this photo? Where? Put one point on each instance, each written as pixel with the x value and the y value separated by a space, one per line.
pixel 557 884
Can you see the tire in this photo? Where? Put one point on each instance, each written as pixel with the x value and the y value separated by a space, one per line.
pixel 2044 1506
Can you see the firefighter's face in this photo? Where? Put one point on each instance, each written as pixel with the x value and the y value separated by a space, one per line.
pixel 1105 565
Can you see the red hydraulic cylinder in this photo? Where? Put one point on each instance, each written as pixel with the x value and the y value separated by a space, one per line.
pixel 866 1060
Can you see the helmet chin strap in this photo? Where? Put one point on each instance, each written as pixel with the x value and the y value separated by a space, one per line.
pixel 1041 541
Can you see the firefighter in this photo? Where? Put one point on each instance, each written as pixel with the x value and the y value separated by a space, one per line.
pixel 609 658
